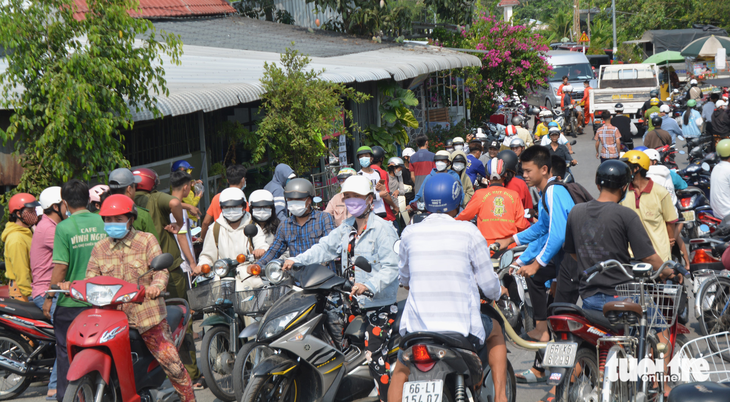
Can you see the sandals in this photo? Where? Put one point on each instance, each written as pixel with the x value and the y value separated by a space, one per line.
pixel 549 397
pixel 200 384
pixel 529 377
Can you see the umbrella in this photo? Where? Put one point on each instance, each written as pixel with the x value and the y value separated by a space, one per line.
pixel 706 47
pixel 666 57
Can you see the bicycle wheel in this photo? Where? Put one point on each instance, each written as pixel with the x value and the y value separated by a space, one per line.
pixel 714 300
pixel 616 391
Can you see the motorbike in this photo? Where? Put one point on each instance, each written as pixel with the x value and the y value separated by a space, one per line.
pixel 697 175
pixel 27 345
pixel 516 306
pixel 667 153
pixel 109 361
pixel 695 209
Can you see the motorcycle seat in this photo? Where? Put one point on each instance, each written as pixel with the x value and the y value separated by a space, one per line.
pixel 700 391
pixel 594 317
pixel 174 316
pixel 22 309
pixel 597 318
pixel 450 339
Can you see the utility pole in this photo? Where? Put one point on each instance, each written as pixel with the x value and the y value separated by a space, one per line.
pixel 576 20
pixel 613 11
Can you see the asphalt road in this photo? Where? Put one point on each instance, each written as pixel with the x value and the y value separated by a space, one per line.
pixel 521 360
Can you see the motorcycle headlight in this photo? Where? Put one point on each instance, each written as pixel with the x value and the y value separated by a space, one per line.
pixel 274 273
pixel 277 325
pixel 220 268
pixel 101 295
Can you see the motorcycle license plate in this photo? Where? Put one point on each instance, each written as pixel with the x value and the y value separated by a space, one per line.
pixel 560 354
pixel 689 216
pixel 423 391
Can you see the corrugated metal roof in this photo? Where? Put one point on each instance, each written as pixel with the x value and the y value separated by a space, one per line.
pixel 171 8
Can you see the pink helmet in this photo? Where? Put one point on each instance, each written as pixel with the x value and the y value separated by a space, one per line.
pixel 96 192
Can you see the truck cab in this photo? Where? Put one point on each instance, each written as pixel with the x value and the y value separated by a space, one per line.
pixel 575 65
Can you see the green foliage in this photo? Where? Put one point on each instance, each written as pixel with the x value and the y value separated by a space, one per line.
pixel 372 17
pixel 299 109
pixel 541 10
pixel 79 80
pixel 457 12
pixel 396 116
pixel 438 135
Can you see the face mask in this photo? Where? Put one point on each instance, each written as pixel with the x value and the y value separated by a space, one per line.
pixel 548 120
pixel 399 173
pixel 116 230
pixel 458 166
pixel 365 162
pixel 356 206
pixel 29 217
pixel 233 214
pixel 261 214
pixel 441 166
pixel 459 147
pixel 244 186
pixel 297 208
pixel 449 149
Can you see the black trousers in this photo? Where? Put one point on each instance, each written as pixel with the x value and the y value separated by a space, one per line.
pixel 62 319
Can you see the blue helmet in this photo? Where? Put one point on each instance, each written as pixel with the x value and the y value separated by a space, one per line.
pixel 552 124
pixel 442 193
pixel 640 148
pixel 181 164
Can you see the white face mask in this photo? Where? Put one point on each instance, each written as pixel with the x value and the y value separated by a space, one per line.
pixel 458 166
pixel 233 214
pixel 441 166
pixel 399 173
pixel 297 208
pixel 459 147
pixel 261 214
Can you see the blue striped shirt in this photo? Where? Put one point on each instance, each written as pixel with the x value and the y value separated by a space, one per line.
pixel 298 239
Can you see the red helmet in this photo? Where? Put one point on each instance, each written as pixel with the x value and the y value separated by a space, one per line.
pixel 118 204
pixel 22 200
pixel 150 180
pixel 510 130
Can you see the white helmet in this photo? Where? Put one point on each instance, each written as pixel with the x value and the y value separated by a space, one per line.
pixel 458 140
pixel 567 88
pixel 693 82
pixel 357 184
pixel 50 196
pixel 408 152
pixel 261 198
pixel 545 113
pixel 653 154
pixel 232 197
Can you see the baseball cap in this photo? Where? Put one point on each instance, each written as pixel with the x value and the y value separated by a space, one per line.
pixel 664 109
pixel 122 178
pixel 181 164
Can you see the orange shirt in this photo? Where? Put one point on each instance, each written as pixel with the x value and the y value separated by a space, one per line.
pixel 214 209
pixel 499 212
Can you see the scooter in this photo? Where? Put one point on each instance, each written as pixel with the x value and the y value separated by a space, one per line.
pixel 108 360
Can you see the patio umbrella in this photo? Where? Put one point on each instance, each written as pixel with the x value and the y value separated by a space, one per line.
pixel 706 47
pixel 666 57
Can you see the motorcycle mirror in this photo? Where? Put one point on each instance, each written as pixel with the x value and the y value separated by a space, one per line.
pixel 681 138
pixel 506 259
pixel 363 263
pixel 682 152
pixel 669 98
pixel 161 262
pixel 316 200
pixel 251 230
pixel 396 246
pixel 705 166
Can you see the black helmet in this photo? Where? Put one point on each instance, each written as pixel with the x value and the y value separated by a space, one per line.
pixel 510 159
pixel 449 143
pixel 613 174
pixel 654 93
pixel 378 154
pixel 656 121
pixel 517 121
pixel 619 107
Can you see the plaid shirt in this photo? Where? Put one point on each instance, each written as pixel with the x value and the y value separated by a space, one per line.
pixel 607 136
pixel 298 239
pixel 128 259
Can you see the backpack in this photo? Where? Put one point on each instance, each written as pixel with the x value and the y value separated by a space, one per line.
pixel 577 192
pixel 217 234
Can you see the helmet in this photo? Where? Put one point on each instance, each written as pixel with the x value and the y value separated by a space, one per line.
pixel 517 142
pixel 664 109
pixel 640 148
pixel 343 174
pixel 552 124
pixel 395 161
pixel 693 82
pixel 122 178
pixel 656 121
pixel 181 164
pixel 613 174
pixel 720 103
pixel 653 154
pixel 408 152
pixel 357 184
pixel 723 148
pixel 299 188
pixel 567 88
pixel 441 156
pixel 378 154
pixel 118 204
pixel 533 110
pixel 481 136
pixel 148 179
pixel 364 150
pixel 510 130
pixel 50 196
pixel 496 169
pixel 552 130
pixel 449 143
pixel 458 140
pixel 691 103
pixel 261 198
pixel 546 113
pixel 517 121
pixel 654 93
pixel 509 158
pixel 637 158
pixel 654 101
pixel 493 144
pixel 442 193
pixel 22 200
pixel 619 107
pixel 95 192
pixel 232 197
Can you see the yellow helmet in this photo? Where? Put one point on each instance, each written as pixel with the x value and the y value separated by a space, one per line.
pixel 637 158
pixel 654 101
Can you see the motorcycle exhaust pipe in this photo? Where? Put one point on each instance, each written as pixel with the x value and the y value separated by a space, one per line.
pixel 14 366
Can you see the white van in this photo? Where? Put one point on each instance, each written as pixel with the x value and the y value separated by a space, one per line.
pixel 575 65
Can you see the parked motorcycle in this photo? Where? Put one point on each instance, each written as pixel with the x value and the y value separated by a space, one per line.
pixel 696 211
pixel 516 306
pixel 109 360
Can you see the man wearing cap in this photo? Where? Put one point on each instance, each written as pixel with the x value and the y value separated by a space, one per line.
pixel 191 200
pixel 493 147
pixel 123 181
pixel 474 167
pixel 668 123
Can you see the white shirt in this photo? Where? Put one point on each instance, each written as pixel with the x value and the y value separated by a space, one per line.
pixel 720 189
pixel 442 260
pixel 185 229
pixel 659 174
pixel 378 203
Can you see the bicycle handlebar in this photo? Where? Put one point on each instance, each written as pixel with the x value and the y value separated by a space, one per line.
pixel 602 266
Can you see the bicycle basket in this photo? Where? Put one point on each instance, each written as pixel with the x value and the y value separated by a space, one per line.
pixel 715 350
pixel 661 301
pixel 212 293
pixel 257 301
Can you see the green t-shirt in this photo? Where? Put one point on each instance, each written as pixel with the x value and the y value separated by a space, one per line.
pixel 647 116
pixel 158 204
pixel 72 244
pixel 143 222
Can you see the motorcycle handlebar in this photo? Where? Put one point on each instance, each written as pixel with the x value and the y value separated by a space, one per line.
pixel 165 294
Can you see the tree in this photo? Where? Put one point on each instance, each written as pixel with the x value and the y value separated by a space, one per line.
pixel 71 84
pixel 299 109
pixel 396 116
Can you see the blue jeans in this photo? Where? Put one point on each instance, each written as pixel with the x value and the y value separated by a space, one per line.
pixel 54 373
pixel 597 301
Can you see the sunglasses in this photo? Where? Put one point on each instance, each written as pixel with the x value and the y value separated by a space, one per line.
pixel 190 171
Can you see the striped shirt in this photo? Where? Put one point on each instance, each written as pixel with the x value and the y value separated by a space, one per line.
pixel 296 239
pixel 608 135
pixel 442 261
pixel 421 165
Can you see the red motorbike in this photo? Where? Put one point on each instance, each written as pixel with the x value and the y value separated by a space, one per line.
pixel 109 360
